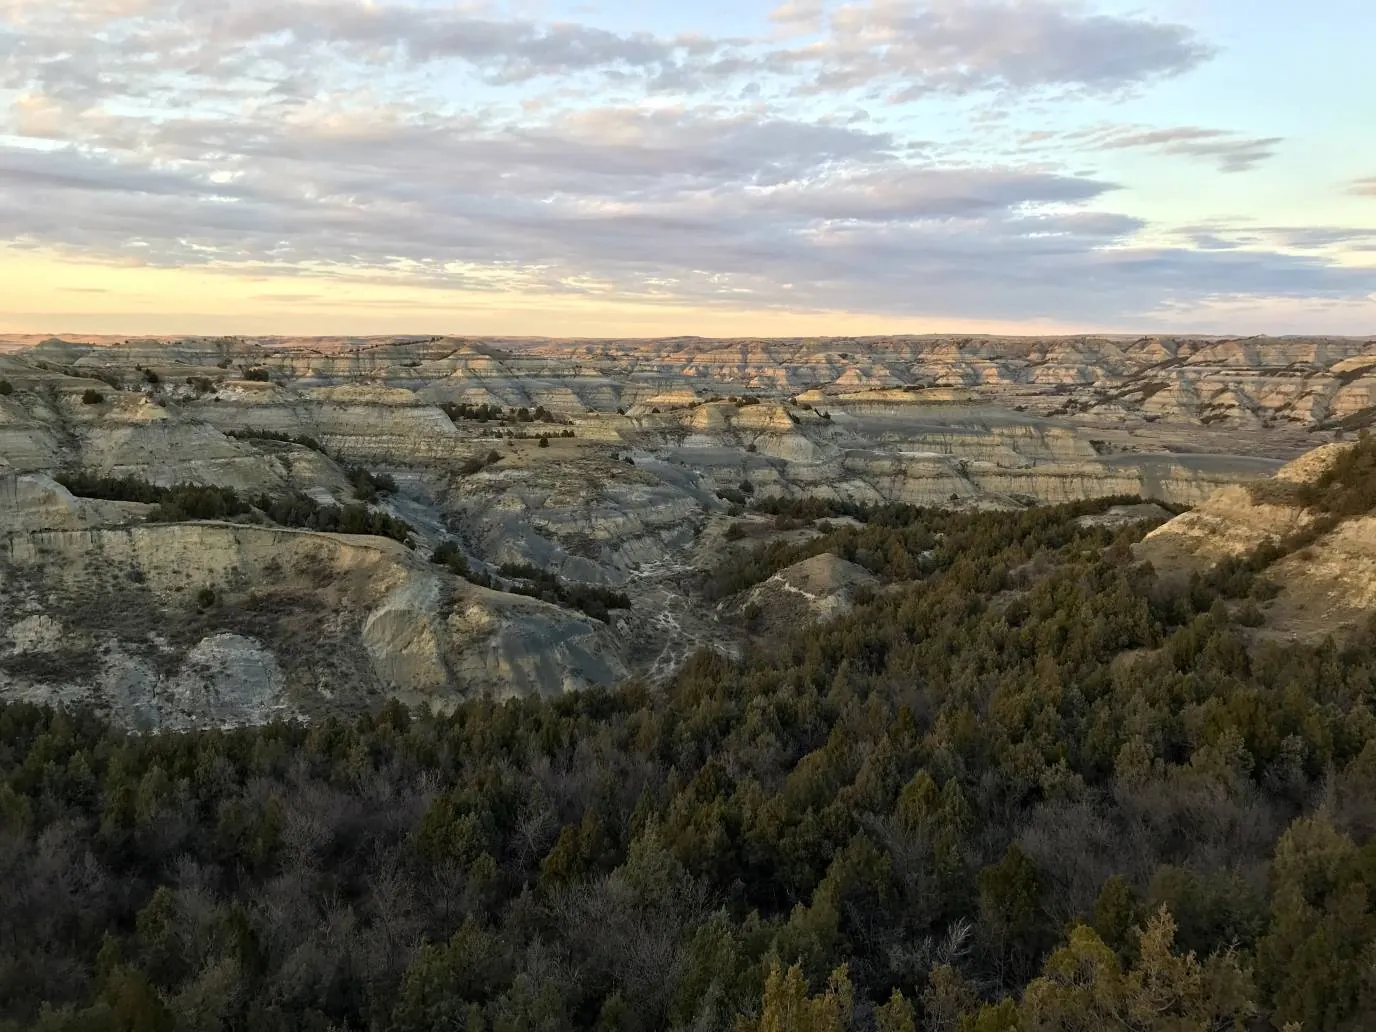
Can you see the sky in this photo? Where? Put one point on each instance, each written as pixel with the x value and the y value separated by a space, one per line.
pixel 720 167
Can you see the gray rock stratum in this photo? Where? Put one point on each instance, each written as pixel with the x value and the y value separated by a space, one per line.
pixel 652 447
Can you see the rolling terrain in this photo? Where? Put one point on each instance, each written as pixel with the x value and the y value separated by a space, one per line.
pixel 432 519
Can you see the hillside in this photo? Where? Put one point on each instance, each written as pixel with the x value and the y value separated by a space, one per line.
pixel 557 503
pixel 1305 540
pixel 1023 783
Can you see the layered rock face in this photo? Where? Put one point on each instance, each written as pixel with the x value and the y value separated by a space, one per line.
pixel 651 447
pixel 196 624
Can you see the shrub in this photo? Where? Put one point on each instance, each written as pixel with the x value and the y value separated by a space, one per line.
pixel 151 377
pixel 6 388
pixel 544 441
pixel 447 554
pixel 479 413
pixel 197 502
pixel 90 396
pixel 367 485
pixel 205 598
pixel 304 440
pixel 257 373
pixel 301 510
pixel 478 462
pixel 111 489
pixel 592 599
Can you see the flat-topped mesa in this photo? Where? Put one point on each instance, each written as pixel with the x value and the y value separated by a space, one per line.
pixel 360 421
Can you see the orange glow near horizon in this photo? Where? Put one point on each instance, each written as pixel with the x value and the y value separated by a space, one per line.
pixel 48 294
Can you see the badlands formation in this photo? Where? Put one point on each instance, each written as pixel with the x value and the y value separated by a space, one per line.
pixel 653 452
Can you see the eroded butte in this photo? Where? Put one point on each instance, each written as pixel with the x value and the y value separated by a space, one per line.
pixel 558 502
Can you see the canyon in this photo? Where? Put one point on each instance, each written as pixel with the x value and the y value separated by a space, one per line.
pixel 535 474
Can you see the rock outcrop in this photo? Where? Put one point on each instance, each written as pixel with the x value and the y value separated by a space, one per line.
pixel 821 588
pixel 1324 575
pixel 611 465
pixel 177 625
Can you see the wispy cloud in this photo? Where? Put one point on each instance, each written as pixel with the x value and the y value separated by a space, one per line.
pixel 1229 151
pixel 967 45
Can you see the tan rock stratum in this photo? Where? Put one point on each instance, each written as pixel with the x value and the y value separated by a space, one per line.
pixel 97 605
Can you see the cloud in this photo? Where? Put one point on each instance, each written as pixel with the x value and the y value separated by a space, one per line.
pixel 85 49
pixel 368 143
pixel 1317 238
pixel 1231 152
pixel 799 15
pixel 962 46
pixel 1365 187
pixel 1225 235
pixel 683 205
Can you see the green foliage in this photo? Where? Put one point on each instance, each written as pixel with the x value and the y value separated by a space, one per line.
pixel 1084 988
pixel 1347 487
pixel 6 388
pixel 904 542
pixel 1025 786
pixel 115 489
pixel 305 440
pixel 301 510
pixel 368 486
pixel 495 413
pixel 592 599
pixel 533 582
pixel 197 502
pixel 91 396
pixel 172 504
pixel 184 502
pixel 787 1007
pixel 257 374
pixel 479 462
